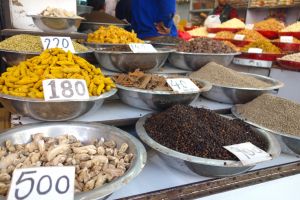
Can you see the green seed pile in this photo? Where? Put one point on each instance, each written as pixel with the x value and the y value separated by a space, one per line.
pixel 30 44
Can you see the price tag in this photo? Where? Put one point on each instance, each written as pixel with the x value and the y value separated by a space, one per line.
pixel 248 153
pixel 211 35
pixel 182 85
pixel 252 62
pixel 255 50
pixel 65 89
pixel 45 183
pixel 249 26
pixel 239 37
pixel 142 48
pixel 64 43
pixel 286 39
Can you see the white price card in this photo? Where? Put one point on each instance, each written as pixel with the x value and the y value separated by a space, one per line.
pixel 255 50
pixel 286 39
pixel 45 183
pixel 64 43
pixel 239 37
pixel 182 85
pixel 211 35
pixel 249 26
pixel 65 89
pixel 142 48
pixel 248 153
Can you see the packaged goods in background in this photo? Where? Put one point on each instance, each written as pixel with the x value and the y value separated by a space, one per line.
pixel 31 44
pixel 272 112
pixel 96 163
pixel 220 75
pixel 205 45
pixel 200 132
pixel 25 79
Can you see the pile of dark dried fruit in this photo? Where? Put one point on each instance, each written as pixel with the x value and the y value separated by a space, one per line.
pixel 200 132
pixel 204 45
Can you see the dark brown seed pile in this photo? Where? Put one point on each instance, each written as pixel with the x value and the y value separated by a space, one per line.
pixel 205 45
pixel 125 48
pixel 166 40
pixel 200 132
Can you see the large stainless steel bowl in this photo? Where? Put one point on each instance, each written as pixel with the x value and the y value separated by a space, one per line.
pixel 89 27
pixel 15 57
pixel 85 132
pixel 52 111
pixel 158 100
pixel 205 166
pixel 119 61
pixel 238 95
pixel 291 141
pixel 194 61
pixel 56 24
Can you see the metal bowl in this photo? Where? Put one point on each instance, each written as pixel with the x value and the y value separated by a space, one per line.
pixel 238 95
pixel 89 27
pixel 205 166
pixel 85 132
pixel 81 9
pixel 39 109
pixel 194 61
pixel 291 141
pixel 15 57
pixel 157 100
pixel 119 61
pixel 56 24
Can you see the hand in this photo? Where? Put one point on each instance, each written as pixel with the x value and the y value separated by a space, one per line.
pixel 161 29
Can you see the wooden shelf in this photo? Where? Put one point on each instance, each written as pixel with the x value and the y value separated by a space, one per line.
pixel 276 7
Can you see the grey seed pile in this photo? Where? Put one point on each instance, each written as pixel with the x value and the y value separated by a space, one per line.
pixel 30 43
pixel 220 75
pixel 274 113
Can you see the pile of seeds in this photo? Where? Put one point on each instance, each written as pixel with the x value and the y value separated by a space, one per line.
pixel 30 43
pixel 220 75
pixel 125 48
pixel 166 39
pixel 292 57
pixel 205 45
pixel 200 132
pixel 274 113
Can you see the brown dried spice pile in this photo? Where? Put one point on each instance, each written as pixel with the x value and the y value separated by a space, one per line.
pixel 220 75
pixel 274 113
pixel 200 132
pixel 204 45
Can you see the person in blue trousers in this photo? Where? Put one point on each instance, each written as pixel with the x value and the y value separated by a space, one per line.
pixel 153 18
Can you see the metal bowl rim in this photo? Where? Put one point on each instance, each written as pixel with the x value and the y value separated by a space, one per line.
pixel 109 187
pixel 38 53
pixel 207 86
pixel 69 18
pixel 237 115
pixel 273 147
pixel 36 100
pixel 159 51
pixel 276 83
pixel 107 24
pixel 205 54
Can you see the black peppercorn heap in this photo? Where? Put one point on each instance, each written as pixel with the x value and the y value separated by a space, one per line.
pixel 200 132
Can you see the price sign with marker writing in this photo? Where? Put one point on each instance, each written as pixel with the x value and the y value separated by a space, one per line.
pixel 255 50
pixel 286 39
pixel 248 153
pixel 142 48
pixel 182 85
pixel 45 183
pixel 249 26
pixel 65 89
pixel 211 35
pixel 239 37
pixel 64 43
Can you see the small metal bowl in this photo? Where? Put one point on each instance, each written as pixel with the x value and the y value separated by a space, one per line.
pixel 194 61
pixel 56 24
pixel 157 100
pixel 15 57
pixel 89 27
pixel 205 166
pixel 238 95
pixel 125 61
pixel 39 109
pixel 291 141
pixel 85 132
